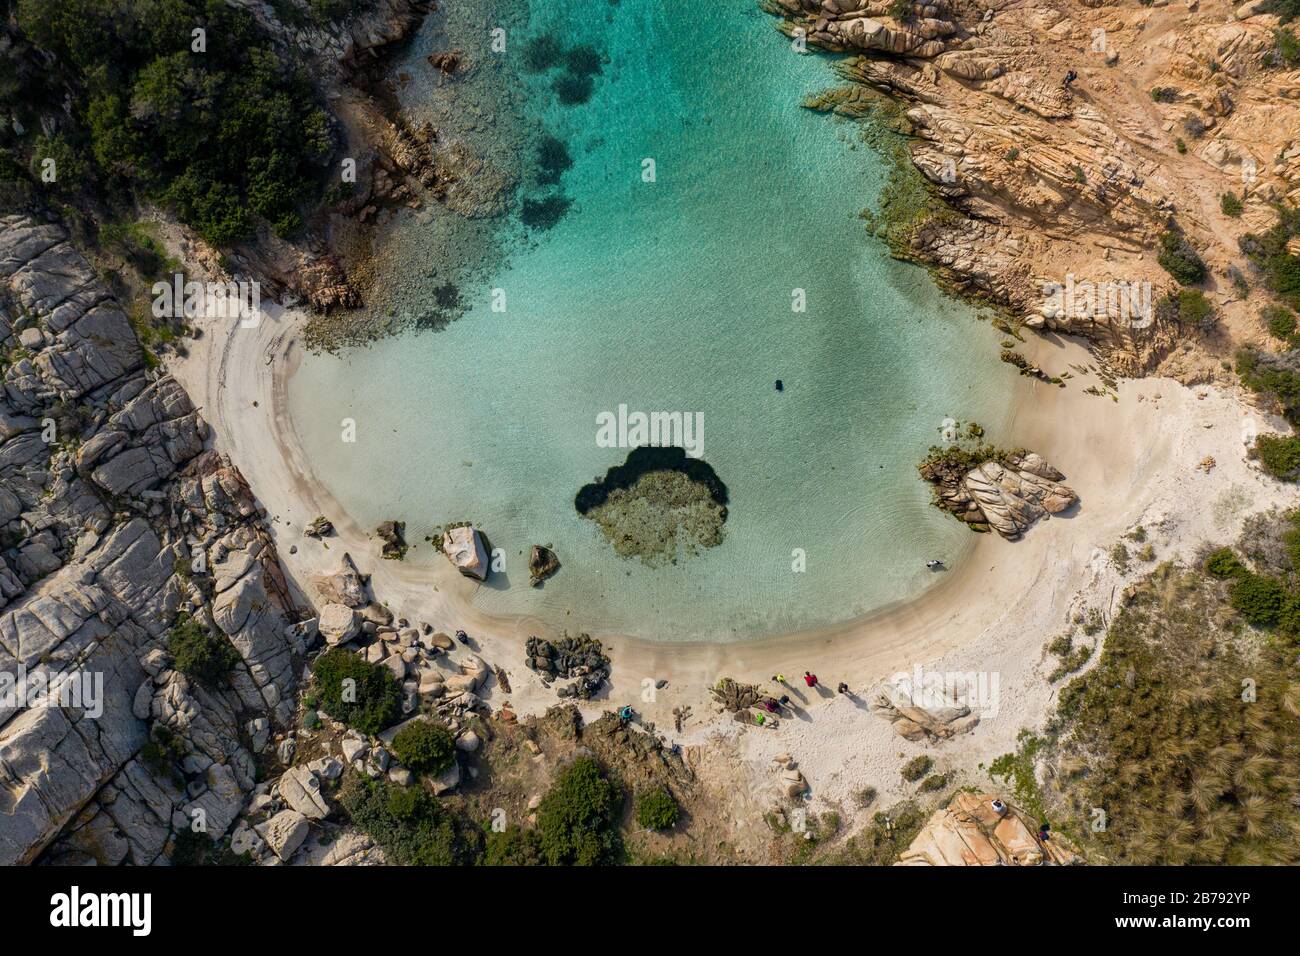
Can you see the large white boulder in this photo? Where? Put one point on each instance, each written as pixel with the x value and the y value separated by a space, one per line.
pixel 464 548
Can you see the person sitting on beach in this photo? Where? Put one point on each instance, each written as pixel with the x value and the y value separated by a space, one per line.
pixel 462 637
pixel 625 714
pixel 810 679
pixel 771 705
pixel 999 808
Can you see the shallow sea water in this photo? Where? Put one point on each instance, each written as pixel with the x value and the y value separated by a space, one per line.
pixel 674 295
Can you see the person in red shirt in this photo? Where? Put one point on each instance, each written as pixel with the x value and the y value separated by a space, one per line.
pixel 810 679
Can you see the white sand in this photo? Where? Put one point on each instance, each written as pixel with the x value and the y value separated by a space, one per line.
pixel 1131 462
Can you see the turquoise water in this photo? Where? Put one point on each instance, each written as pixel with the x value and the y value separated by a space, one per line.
pixel 675 295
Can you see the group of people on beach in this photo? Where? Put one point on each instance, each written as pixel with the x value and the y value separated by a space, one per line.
pixel 776 705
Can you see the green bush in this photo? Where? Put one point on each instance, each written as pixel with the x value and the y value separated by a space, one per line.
pixel 657 810
pixel 1274 375
pixel 916 768
pixel 1279 455
pixel 1190 306
pixel 1224 563
pixel 1286 48
pixel 424 746
pixel 576 819
pixel 1179 258
pixel 409 824
pixel 1164 94
pixel 1230 205
pixel 208 658
pixel 1281 322
pixel 1269 252
pixel 377 701
pixel 1258 599
pixel 221 136
pixel 513 846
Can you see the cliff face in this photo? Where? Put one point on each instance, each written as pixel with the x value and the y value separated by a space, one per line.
pixel 1073 182
pixel 114 520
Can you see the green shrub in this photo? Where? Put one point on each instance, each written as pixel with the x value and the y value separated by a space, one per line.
pixel 1230 205
pixel 1258 599
pixel 424 746
pixel 1274 375
pixel 1189 306
pixel 916 768
pixel 513 846
pixel 1269 252
pixel 576 819
pixel 1224 563
pixel 1179 258
pixel 902 10
pixel 1279 455
pixel 208 658
pixel 933 782
pixel 222 137
pixel 1164 94
pixel 370 703
pixel 1286 48
pixel 1281 322
pixel 657 810
pixel 409 824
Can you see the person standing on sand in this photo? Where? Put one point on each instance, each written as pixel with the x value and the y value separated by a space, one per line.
pixel 810 679
pixel 779 678
pixel 842 689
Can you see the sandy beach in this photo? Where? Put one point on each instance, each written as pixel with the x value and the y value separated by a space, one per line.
pixel 1139 460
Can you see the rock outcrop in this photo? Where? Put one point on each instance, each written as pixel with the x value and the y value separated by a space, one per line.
pixel 970 832
pixel 464 548
pixel 542 563
pixel 924 713
pixel 115 521
pixel 1006 494
pixel 1062 164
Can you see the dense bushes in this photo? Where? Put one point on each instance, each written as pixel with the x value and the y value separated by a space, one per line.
pixel 222 135
pixel 362 695
pixel 1269 253
pixel 1279 455
pixel 1276 375
pixel 657 810
pixel 513 846
pixel 424 746
pixel 409 824
pixel 576 819
pixel 208 658
pixel 1188 767
pixel 1179 257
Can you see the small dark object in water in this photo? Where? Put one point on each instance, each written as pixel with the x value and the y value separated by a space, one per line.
pixel 780 385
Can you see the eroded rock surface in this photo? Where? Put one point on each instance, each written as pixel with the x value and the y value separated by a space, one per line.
pixel 970 832
pixel 1005 495
pixel 114 521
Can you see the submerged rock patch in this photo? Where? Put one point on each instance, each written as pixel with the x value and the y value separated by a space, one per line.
pixel 656 505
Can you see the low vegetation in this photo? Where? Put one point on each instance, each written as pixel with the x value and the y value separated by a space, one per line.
pixel 424 746
pixel 657 810
pixel 1181 745
pixel 1179 257
pixel 220 126
pixel 409 824
pixel 206 657
pixel 360 694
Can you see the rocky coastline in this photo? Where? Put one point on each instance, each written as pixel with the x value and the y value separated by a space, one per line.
pixel 1038 126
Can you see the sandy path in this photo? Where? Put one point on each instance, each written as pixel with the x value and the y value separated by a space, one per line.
pixel 1131 462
